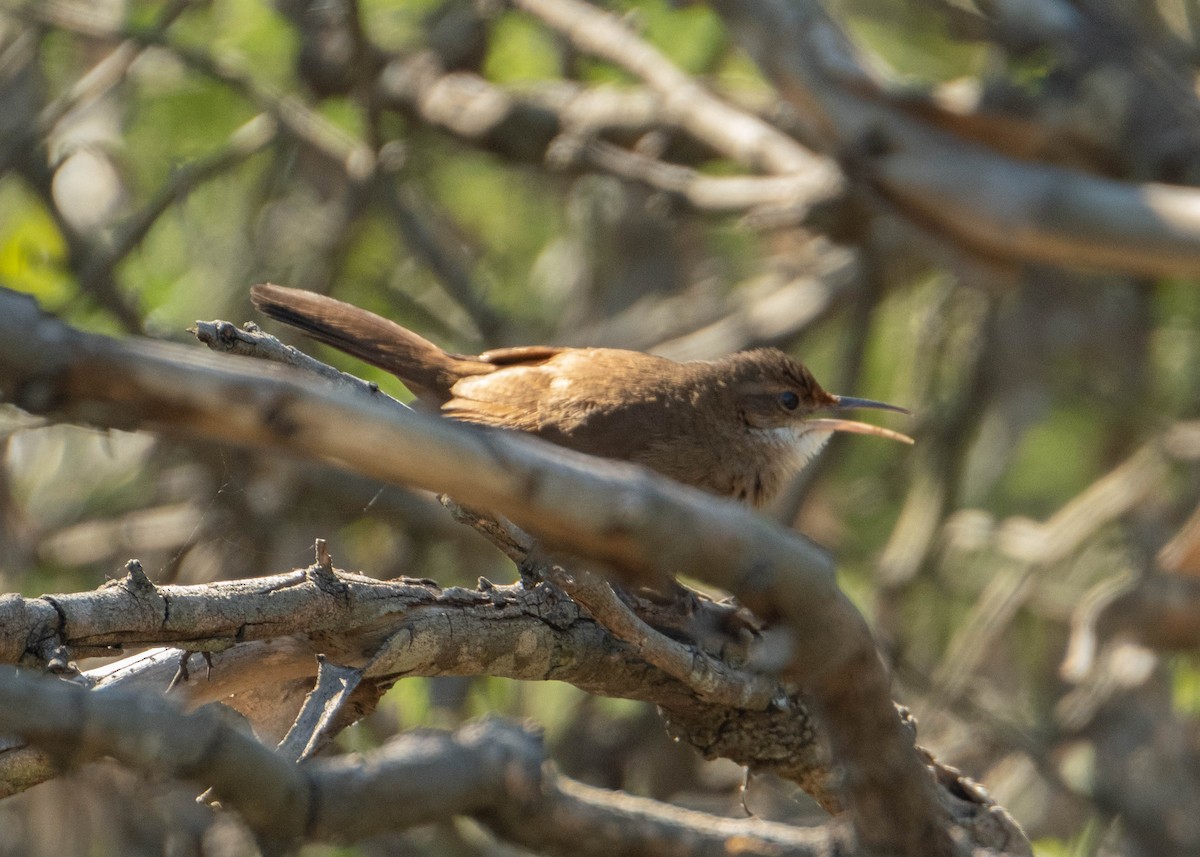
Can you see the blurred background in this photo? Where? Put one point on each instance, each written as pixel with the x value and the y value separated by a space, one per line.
pixel 1028 566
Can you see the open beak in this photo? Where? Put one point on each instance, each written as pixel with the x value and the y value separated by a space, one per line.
pixel 848 402
pixel 845 403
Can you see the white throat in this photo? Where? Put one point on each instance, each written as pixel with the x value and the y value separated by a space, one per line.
pixel 799 445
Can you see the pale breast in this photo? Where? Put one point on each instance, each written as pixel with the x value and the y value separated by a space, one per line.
pixel 772 455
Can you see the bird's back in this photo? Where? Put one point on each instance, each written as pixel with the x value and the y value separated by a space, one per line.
pixel 601 401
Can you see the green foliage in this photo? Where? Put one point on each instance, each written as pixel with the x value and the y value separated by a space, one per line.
pixel 1082 844
pixel 1185 685
pixel 1175 345
pixel 691 37
pixel 1056 458
pixel 520 50
pixel 32 250
pixel 331 851
pixel 397 25
pixel 505 215
pixel 249 33
pixel 408 702
pixel 163 129
pixel 911 40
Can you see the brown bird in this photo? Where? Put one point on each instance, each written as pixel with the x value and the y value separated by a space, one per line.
pixel 735 426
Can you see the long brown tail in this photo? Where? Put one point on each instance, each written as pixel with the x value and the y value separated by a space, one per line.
pixel 424 368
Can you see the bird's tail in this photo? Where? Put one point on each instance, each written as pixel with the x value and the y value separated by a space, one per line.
pixel 424 368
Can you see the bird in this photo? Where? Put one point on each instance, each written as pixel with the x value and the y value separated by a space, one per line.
pixel 736 426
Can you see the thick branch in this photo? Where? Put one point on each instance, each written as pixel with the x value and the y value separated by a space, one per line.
pixel 491 770
pixel 390 629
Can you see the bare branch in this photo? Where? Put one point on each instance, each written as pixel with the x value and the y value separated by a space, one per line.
pixel 793 191
pixel 742 136
pixel 491 770
pixel 314 725
pixel 1032 548
pixel 250 341
pixel 150 734
pixel 712 679
pixel 1001 207
pixel 388 629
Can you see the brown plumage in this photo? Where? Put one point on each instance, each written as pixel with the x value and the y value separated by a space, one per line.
pixel 734 426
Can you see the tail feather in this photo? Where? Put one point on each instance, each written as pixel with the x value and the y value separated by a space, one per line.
pixel 424 368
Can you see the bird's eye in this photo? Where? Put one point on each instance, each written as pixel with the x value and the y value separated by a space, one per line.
pixel 789 400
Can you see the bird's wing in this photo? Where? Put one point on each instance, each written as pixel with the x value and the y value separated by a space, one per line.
pixel 511 397
pixel 575 398
pixel 514 396
pixel 520 355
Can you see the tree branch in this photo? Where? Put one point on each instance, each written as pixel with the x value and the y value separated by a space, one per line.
pixel 742 136
pixel 998 206
pixel 492 770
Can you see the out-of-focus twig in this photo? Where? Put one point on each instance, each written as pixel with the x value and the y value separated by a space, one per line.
pixel 246 141
pixel 982 200
pixel 740 135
